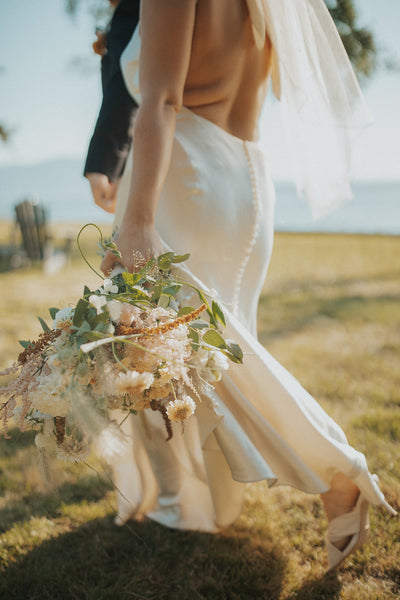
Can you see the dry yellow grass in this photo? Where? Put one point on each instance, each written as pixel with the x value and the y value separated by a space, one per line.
pixel 330 312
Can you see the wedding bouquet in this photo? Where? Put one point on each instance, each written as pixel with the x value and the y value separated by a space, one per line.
pixel 132 344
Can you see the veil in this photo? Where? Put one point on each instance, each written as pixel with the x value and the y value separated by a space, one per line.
pixel 322 104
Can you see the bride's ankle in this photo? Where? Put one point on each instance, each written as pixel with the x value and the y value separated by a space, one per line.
pixel 341 498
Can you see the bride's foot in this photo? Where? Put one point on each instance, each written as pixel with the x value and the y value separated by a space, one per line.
pixel 339 500
pixel 348 515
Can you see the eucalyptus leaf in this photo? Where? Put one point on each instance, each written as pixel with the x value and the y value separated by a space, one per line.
pixel 157 290
pixel 185 310
pixel 164 261
pixel 25 343
pixel 132 279
pixel 232 357
pixel 172 289
pixel 96 319
pixel 91 313
pixel 92 336
pixel 83 329
pixel 213 338
pixel 102 327
pixel 235 349
pixel 217 312
pixel 80 311
pixel 53 311
pixel 193 335
pixel 137 294
pixel 163 301
pixel 44 325
pixel 199 324
pixel 178 258
pixel 148 267
pixel 203 300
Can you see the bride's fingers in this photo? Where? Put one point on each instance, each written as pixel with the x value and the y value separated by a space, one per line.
pixel 109 262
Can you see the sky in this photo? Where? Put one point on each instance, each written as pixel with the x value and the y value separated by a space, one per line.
pixel 51 103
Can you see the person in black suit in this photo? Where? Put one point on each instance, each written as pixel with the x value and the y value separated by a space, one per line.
pixel 111 140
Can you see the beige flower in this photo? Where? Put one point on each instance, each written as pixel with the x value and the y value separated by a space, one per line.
pixel 130 315
pixel 181 408
pixel 133 382
pixel 71 450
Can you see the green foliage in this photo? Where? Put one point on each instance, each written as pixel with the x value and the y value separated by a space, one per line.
pixel 53 311
pixel 358 41
pixel 110 246
pixel 213 338
pixel 24 343
pixel 44 325
pixel 99 9
pixel 4 133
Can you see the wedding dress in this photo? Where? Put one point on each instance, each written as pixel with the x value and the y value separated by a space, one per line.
pixel 258 423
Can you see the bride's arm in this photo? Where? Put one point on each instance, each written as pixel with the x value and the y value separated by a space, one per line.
pixel 166 34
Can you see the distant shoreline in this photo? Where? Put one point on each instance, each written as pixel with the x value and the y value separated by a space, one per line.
pixel 71 228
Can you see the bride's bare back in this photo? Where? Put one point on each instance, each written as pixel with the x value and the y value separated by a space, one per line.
pixel 196 53
pixel 227 73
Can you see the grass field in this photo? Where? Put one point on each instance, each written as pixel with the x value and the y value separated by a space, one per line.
pixel 330 312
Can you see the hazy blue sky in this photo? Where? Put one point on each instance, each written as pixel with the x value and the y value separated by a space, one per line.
pixel 53 104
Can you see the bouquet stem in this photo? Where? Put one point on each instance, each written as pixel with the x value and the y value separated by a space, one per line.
pixel 60 429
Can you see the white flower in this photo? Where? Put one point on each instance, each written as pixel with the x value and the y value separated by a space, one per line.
pixel 63 318
pixel 109 287
pixel 98 302
pixel 181 408
pixel 114 308
pixel 200 357
pixel 218 361
pixel 133 382
pixel 159 315
pixel 50 397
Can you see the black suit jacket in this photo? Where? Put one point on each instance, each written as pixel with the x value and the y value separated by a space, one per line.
pixel 112 135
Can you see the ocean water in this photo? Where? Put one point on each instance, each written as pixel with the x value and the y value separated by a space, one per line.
pixel 375 209
pixel 60 186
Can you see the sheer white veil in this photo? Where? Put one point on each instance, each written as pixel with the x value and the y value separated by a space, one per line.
pixel 321 100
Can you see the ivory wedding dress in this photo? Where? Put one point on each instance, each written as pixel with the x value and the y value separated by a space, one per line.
pixel 258 423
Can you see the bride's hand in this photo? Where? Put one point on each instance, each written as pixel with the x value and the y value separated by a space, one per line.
pixel 139 238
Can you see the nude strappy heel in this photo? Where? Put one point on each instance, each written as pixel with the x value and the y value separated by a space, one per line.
pixel 354 523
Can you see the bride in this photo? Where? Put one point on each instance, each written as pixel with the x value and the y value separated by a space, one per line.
pixel 199 183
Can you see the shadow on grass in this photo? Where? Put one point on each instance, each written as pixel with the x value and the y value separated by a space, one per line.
pixel 327 587
pixel 294 313
pixel 99 561
pixel 89 489
pixel 315 285
pixel 18 440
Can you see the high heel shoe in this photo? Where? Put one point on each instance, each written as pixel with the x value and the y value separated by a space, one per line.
pixel 355 524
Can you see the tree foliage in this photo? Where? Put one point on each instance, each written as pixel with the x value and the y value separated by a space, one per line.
pixel 358 41
pixel 4 133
